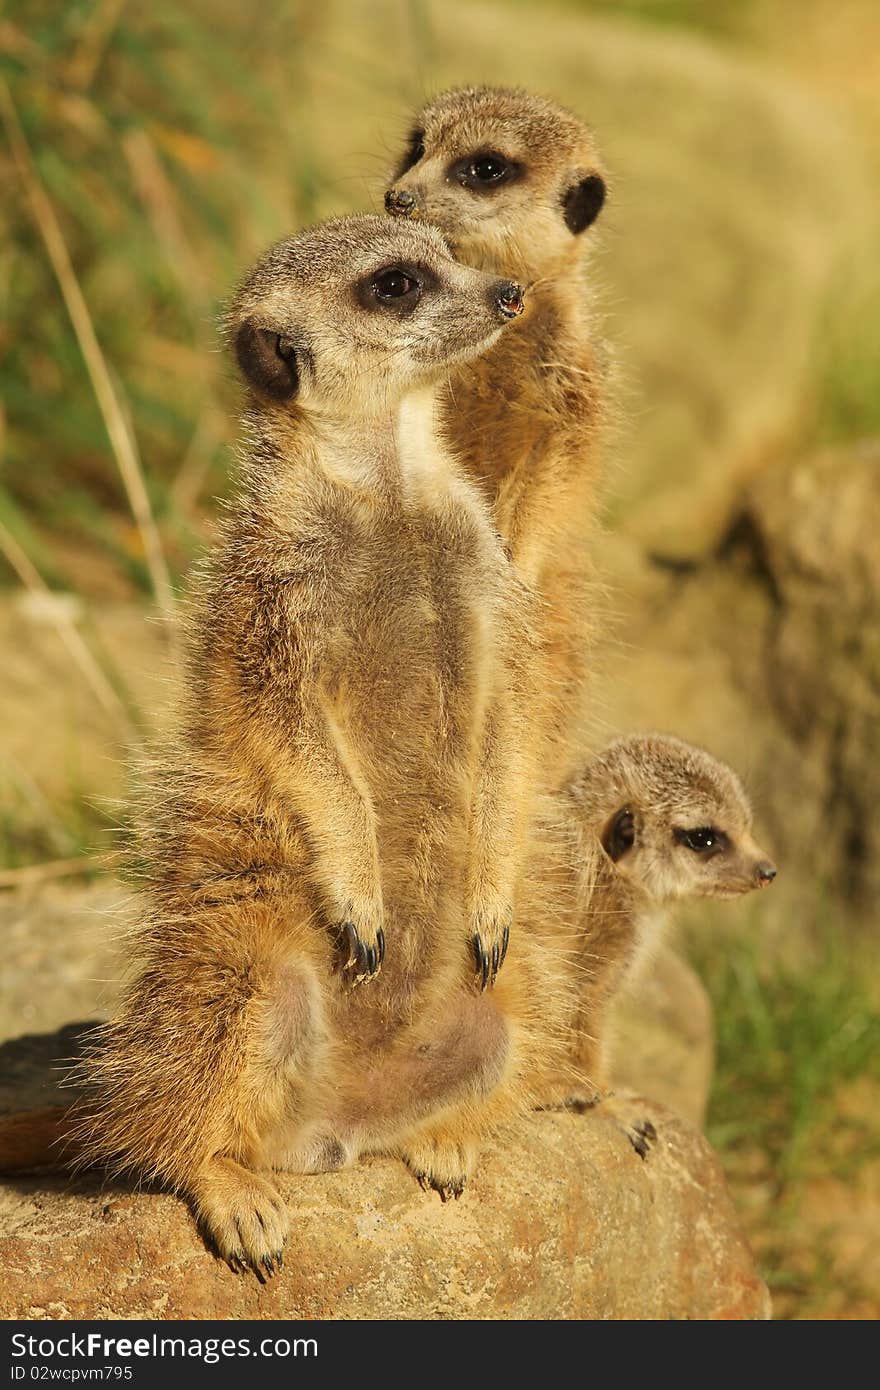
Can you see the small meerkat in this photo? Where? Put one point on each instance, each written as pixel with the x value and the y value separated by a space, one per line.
pixel 345 775
pixel 515 182
pixel 652 820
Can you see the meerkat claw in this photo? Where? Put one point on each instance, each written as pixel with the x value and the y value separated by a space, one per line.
pixel 488 963
pixel 481 960
pixel 362 962
pixel 642 1136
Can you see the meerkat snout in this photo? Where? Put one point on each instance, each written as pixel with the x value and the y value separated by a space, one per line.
pixel 400 202
pixel 509 298
pixel 765 872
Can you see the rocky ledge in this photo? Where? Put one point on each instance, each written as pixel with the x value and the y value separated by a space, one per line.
pixel 563 1220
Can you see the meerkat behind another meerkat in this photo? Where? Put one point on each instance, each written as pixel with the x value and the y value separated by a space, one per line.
pixel 515 182
pixel 342 775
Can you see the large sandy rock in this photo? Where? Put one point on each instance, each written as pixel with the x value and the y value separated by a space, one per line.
pixel 663 1038
pixel 563 1220
pixel 810 535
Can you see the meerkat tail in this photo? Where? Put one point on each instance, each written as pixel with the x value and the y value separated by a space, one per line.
pixel 36 1139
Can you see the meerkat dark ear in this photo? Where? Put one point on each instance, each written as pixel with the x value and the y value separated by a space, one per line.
pixel 582 203
pixel 619 834
pixel 268 361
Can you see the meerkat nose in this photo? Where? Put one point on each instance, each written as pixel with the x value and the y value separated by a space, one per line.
pixel 509 298
pixel 399 203
pixel 765 872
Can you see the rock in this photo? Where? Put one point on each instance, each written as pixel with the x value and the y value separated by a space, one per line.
pixel 809 533
pixel 563 1220
pixel 60 948
pixel 663 1038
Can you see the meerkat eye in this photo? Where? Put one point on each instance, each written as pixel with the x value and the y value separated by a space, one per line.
pixel 489 168
pixel 702 839
pixel 482 172
pixel 395 285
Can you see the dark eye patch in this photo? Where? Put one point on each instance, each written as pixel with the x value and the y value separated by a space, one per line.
pixel 397 287
pixel 484 171
pixel 414 153
pixel 703 839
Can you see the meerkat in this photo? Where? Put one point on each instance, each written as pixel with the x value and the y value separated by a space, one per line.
pixel 650 821
pixel 515 182
pixel 344 776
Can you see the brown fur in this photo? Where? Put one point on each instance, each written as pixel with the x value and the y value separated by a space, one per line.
pixel 526 419
pixel 343 755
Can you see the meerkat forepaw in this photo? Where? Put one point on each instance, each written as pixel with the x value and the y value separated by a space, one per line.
pixel 243 1218
pixel 490 944
pixel 361 958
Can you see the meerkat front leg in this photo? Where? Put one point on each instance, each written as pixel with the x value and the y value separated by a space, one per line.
pixel 498 831
pixel 341 822
pixel 319 777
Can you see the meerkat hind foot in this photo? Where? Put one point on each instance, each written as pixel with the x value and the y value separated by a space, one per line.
pixel 441 1166
pixel 641 1135
pixel 582 1101
pixel 640 1132
pixel 242 1216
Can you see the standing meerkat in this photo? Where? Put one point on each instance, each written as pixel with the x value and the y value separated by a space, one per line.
pixel 514 181
pixel 343 777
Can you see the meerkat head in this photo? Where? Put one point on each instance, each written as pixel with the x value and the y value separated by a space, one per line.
pixel 346 317
pixel 512 179
pixel 674 820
